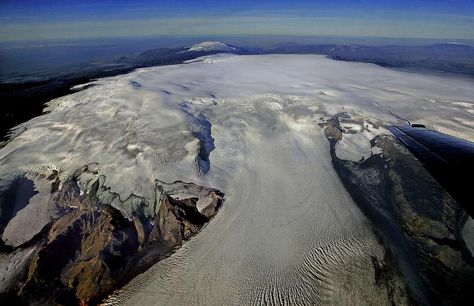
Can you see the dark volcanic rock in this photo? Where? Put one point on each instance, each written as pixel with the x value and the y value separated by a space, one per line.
pixel 420 222
pixel 92 248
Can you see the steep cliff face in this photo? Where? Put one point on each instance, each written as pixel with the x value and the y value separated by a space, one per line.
pixel 89 246
pixel 425 229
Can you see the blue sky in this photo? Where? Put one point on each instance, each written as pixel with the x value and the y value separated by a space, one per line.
pixel 37 20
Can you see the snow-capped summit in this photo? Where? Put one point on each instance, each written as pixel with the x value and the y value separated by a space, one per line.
pixel 212 46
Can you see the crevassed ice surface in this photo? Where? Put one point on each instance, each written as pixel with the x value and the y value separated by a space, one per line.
pixel 288 232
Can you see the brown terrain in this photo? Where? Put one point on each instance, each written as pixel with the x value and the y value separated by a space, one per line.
pixel 89 248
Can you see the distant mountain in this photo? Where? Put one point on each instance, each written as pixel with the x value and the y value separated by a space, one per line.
pixel 445 57
pixel 167 56
pixel 209 46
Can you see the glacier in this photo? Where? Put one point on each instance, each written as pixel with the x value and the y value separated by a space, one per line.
pixel 289 232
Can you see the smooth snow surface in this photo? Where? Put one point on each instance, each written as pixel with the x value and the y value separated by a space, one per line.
pixel 288 232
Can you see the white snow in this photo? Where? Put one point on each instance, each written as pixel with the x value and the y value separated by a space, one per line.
pixel 355 144
pixel 137 134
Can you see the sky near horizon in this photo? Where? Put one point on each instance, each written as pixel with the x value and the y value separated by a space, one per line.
pixel 54 19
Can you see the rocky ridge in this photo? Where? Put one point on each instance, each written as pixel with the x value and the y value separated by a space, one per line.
pixel 84 244
pixel 421 224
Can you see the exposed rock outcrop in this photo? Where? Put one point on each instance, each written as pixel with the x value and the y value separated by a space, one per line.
pixel 421 224
pixel 89 246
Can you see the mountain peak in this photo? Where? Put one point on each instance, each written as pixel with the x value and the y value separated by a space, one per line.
pixel 211 46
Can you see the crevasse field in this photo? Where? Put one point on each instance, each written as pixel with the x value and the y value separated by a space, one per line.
pixel 289 233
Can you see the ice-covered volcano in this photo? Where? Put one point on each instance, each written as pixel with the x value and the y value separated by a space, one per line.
pixel 207 46
pixel 289 232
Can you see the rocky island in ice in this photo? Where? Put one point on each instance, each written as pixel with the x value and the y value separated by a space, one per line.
pixel 289 141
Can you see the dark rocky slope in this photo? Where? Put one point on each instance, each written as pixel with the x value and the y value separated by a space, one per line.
pixel 90 247
pixel 420 223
